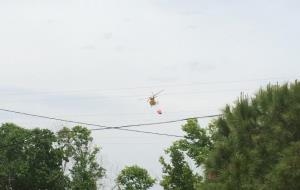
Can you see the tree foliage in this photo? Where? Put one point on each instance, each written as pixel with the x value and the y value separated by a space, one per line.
pixel 177 175
pixel 134 178
pixel 254 145
pixel 85 170
pixel 28 159
pixel 37 159
pixel 286 173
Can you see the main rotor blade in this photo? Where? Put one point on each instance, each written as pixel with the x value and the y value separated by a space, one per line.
pixel 158 93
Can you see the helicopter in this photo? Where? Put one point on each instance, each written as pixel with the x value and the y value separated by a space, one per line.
pixel 152 99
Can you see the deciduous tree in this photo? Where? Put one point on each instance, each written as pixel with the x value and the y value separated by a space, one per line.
pixel 134 178
pixel 85 170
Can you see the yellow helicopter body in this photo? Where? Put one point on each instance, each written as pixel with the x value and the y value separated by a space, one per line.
pixel 152 99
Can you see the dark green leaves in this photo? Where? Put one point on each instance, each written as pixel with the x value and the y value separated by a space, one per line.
pixel 254 145
pixel 38 159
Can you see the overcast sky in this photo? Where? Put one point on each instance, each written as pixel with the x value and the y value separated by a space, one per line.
pixel 98 60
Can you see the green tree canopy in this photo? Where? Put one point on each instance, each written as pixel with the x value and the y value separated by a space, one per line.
pixel 28 159
pixel 134 178
pixel 37 159
pixel 177 175
pixel 84 169
pixel 286 173
pixel 253 145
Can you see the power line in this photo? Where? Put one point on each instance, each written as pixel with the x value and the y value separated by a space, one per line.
pixel 22 141
pixel 146 132
pixel 158 123
pixel 132 113
pixel 102 127
pixel 51 118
